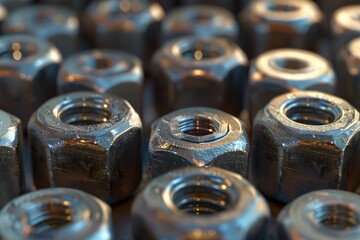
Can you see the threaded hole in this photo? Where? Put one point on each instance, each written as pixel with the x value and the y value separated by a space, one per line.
pixel 338 217
pixel 290 64
pixel 312 111
pixel 18 51
pixel 278 7
pixel 45 217
pixel 197 126
pixel 200 51
pixel 99 63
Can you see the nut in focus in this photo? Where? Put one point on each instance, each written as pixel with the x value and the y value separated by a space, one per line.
pixel 87 141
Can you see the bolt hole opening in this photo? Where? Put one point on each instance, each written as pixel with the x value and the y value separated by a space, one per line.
pixel 291 64
pixel 280 7
pixel 100 63
pixel 202 51
pixel 337 217
pixel 198 126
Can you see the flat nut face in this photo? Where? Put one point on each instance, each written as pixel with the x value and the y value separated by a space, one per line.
pixel 347 18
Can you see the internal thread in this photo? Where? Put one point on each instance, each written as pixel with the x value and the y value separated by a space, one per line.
pixel 99 63
pixel 201 200
pixel 339 217
pixel 202 51
pixel 49 216
pixel 312 111
pixel 290 64
pixel 279 7
pixel 198 126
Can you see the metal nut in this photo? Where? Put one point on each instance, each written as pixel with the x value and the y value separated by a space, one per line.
pixel 60 213
pixel 87 141
pixel 324 214
pixel 198 203
pixel 200 137
pixel 29 67
pixel 305 141
pixel 11 179
pixel 348 70
pixel 103 71
pixel 131 26
pixel 57 24
pixel 345 26
pixel 271 24
pixel 286 70
pixel 199 20
pixel 199 71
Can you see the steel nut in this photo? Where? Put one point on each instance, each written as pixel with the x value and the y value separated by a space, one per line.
pixel 305 141
pixel 200 137
pixel 131 26
pixel 323 214
pixel 60 213
pixel 272 24
pixel 103 71
pixel 197 203
pixel 287 70
pixel 11 178
pixel 87 141
pixel 199 20
pixel 57 24
pixel 348 70
pixel 199 71
pixel 345 26
pixel 29 67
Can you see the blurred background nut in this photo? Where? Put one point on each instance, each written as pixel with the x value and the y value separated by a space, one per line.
pixel 348 70
pixel 323 214
pixel 199 71
pixel 198 203
pixel 28 68
pixel 87 141
pixel 286 70
pixel 199 20
pixel 305 141
pixel 10 5
pixel 11 179
pixel 103 71
pixel 271 24
pixel 59 213
pixel 200 137
pixel 128 25
pixel 57 24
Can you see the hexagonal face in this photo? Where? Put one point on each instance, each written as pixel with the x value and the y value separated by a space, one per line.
pixel 199 137
pixel 310 141
pixel 87 141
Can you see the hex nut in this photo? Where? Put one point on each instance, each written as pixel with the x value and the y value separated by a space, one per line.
pixel 287 70
pixel 88 141
pixel 198 203
pixel 199 71
pixel 345 26
pixel 103 71
pixel 270 24
pixel 322 215
pixel 29 67
pixel 305 141
pixel 199 20
pixel 200 137
pixel 60 213
pixel 11 176
pixel 131 26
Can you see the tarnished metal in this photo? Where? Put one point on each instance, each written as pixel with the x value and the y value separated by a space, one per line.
pixel 200 71
pixel 58 213
pixel 287 70
pixel 88 141
pixel 200 137
pixel 28 67
pixel 103 71
pixel 305 141
pixel 198 203
pixel 321 215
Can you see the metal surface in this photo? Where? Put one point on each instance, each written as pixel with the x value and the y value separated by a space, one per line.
pixel 305 141
pixel 199 137
pixel 87 141
pixel 287 70
pixel 54 23
pixel 28 67
pixel 270 24
pixel 59 213
pixel 321 215
pixel 199 71
pixel 197 203
pixel 104 71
